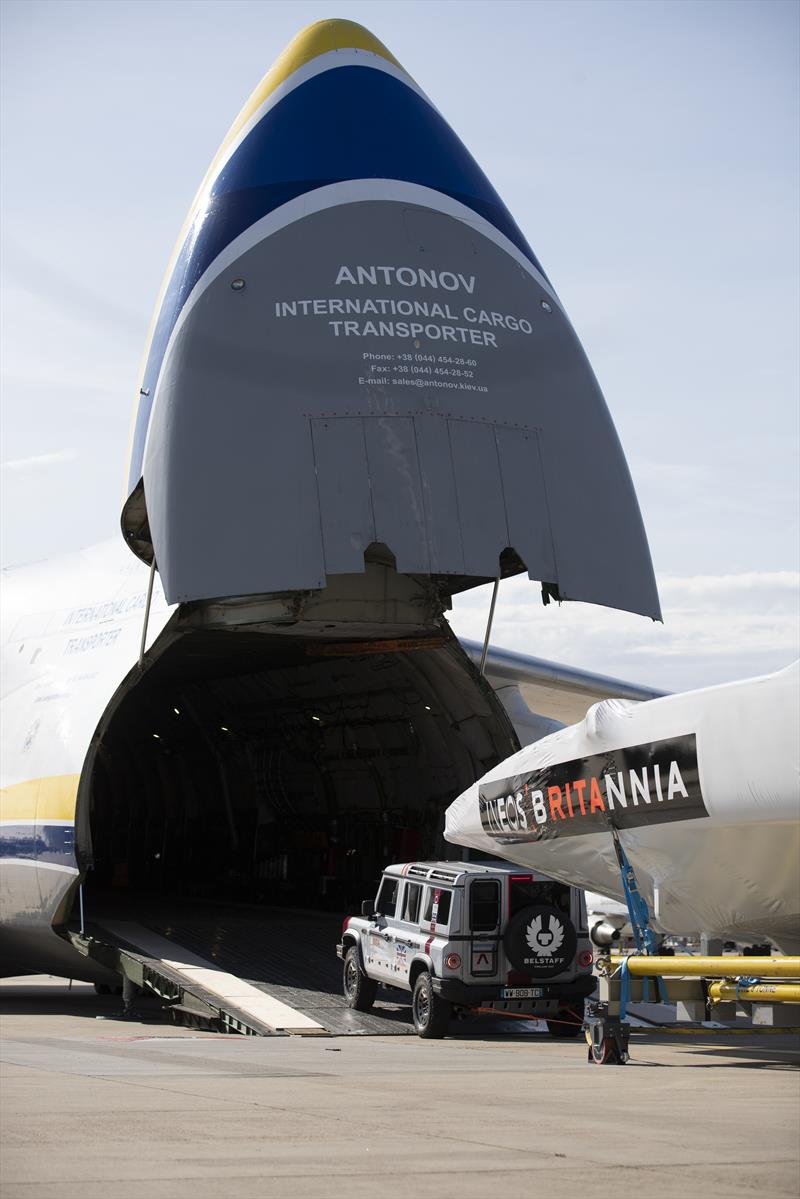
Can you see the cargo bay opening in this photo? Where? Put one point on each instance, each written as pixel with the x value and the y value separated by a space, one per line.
pixel 282 751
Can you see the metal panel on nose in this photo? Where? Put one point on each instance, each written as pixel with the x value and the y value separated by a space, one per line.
pixel 479 489
pixel 372 486
pixel 396 489
pixel 439 494
pixel 526 502
pixel 343 484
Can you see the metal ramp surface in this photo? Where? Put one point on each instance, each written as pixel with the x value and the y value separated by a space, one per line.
pixel 264 971
pixel 195 990
pixel 288 955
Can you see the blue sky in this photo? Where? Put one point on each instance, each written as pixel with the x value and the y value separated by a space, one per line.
pixel 648 150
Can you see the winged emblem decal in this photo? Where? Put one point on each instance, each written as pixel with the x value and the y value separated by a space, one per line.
pixel 545 941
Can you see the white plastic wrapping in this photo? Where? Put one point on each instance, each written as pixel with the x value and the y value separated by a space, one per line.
pixel 710 822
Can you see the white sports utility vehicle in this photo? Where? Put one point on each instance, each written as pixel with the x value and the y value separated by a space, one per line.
pixel 463 935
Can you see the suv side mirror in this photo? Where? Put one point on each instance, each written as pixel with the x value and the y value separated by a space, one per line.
pixel 368 908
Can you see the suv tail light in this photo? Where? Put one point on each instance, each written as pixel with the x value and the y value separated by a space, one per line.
pixel 345 924
pixel 453 961
pixel 585 958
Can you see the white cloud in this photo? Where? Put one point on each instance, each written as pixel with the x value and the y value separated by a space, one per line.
pixel 716 628
pixel 34 461
pixel 739 587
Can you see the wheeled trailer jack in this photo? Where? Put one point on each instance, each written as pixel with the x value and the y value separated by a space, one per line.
pixel 607 1036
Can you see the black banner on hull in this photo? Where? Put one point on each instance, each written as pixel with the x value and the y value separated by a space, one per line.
pixel 652 783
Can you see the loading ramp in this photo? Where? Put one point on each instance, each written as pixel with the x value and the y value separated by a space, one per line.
pixel 237 968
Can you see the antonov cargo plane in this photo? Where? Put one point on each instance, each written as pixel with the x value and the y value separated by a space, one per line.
pixel 360 395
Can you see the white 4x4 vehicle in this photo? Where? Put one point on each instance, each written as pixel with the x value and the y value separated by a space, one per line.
pixel 463 935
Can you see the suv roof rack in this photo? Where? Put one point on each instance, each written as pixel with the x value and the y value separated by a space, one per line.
pixel 430 872
pixel 445 876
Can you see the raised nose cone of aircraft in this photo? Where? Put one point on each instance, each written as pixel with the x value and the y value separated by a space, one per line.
pixel 356 344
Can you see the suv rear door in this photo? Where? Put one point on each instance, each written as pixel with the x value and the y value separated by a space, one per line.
pixel 540 939
pixel 484 913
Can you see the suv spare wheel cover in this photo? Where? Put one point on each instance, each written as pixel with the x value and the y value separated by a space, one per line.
pixel 540 941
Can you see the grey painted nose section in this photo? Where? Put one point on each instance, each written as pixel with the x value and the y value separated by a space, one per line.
pixel 377 361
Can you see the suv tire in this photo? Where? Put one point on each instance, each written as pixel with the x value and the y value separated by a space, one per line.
pixel 359 990
pixel 430 1012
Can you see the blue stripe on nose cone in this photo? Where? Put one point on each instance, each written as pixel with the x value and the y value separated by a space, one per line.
pixel 356 123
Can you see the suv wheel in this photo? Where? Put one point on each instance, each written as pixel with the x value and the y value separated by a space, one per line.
pixel 359 990
pixel 431 1013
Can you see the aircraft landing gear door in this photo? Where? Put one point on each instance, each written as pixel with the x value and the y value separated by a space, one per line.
pixel 379 937
pixel 484 920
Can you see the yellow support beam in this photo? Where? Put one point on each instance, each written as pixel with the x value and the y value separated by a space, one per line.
pixel 641 966
pixel 756 993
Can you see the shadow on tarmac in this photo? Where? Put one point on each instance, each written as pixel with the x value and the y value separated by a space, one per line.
pixel 783 1056
pixel 56 997
pixel 748 1049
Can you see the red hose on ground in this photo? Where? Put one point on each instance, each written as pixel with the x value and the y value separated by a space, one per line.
pixel 490 1011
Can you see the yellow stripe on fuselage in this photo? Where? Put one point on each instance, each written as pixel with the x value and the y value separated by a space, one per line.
pixel 310 43
pixel 40 799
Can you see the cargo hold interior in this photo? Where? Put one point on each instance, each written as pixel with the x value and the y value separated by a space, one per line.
pixel 271 768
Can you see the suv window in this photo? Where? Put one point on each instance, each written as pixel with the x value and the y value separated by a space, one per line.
pixel 442 908
pixel 411 905
pixel 484 905
pixel 526 891
pixel 386 902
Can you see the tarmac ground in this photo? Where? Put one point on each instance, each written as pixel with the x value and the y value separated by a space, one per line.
pixel 93 1106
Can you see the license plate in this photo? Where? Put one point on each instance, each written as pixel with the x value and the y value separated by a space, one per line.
pixel 522 993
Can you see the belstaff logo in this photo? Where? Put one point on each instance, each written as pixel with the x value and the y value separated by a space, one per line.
pixel 622 788
pixel 545 942
pixel 540 940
